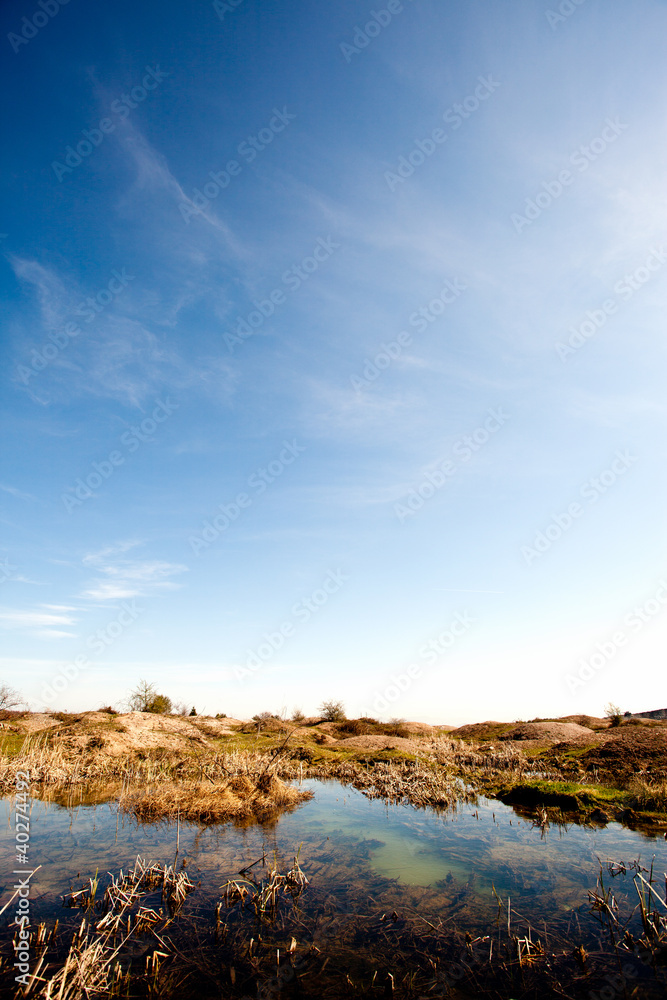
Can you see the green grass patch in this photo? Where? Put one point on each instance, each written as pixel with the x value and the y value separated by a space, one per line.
pixel 571 796
pixel 11 744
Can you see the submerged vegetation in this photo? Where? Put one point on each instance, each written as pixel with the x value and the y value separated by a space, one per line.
pixel 273 932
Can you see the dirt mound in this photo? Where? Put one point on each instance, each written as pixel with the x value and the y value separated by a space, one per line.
pixel 546 732
pixel 36 721
pixel 628 751
pixel 380 743
pixel 539 732
pixel 324 739
pixel 481 731
pixel 328 727
pixel 214 727
pixel 588 721
pixel 122 734
pixel 423 729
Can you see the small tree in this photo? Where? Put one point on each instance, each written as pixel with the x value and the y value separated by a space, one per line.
pixel 332 711
pixel 147 698
pixel 142 696
pixel 613 713
pixel 297 715
pixel 9 698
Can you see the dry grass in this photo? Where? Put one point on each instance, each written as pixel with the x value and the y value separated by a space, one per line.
pixel 240 799
pixel 91 966
pixel 651 795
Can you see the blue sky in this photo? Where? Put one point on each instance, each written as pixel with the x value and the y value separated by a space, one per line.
pixel 334 355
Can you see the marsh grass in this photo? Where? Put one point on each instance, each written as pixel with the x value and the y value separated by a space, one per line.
pixel 240 799
pixel 646 794
pixel 96 962
pixel 159 783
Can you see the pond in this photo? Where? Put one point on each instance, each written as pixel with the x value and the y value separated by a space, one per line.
pixel 387 883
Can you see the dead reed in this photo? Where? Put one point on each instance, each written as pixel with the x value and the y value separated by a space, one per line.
pixel 240 799
pixel 93 964
pixel 648 794
pixel 256 942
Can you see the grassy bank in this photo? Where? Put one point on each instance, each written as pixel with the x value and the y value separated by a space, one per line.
pixel 163 767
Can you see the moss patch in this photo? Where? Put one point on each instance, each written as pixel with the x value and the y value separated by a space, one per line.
pixel 570 796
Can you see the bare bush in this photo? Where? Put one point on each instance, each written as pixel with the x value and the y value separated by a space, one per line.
pixel 332 711
pixel 9 698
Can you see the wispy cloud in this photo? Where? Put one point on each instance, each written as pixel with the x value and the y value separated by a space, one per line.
pixel 123 578
pixel 19 494
pixel 42 622
pixel 154 176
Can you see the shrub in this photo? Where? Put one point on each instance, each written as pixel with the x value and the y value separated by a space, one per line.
pixel 297 715
pixel 159 705
pixel 193 710
pixel 366 726
pixel 613 713
pixel 332 711
pixel 396 727
pixel 355 727
pixel 109 710
pixel 263 718
pixel 221 715
pixel 9 698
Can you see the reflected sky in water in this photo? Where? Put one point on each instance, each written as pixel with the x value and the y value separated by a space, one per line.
pixel 348 844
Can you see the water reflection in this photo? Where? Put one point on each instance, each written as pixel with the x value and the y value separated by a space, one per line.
pixel 346 838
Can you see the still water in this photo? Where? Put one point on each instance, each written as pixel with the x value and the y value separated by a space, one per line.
pixel 362 857
pixel 338 831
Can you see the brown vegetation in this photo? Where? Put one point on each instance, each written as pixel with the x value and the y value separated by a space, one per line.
pixel 241 800
pixel 67 752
